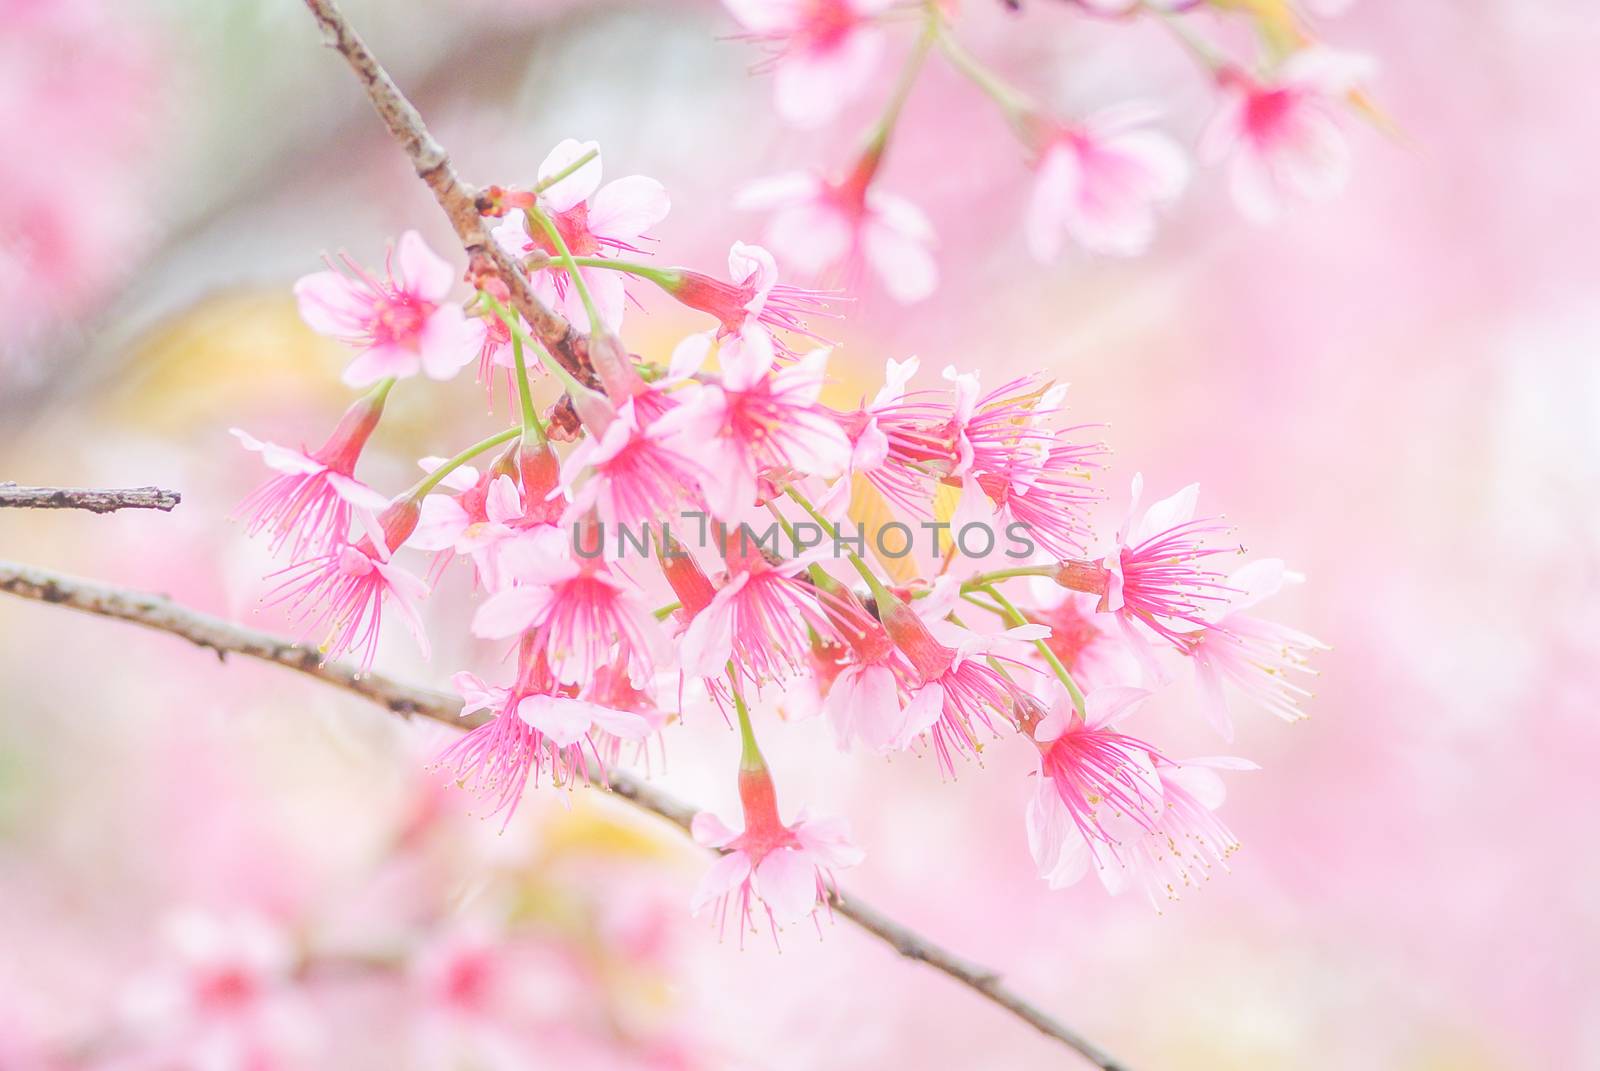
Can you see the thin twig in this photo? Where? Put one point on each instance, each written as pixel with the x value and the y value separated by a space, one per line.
pixel 224 637
pixel 95 500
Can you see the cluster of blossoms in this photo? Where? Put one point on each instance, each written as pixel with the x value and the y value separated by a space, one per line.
pixel 648 565
pixel 1101 180
pixel 673 532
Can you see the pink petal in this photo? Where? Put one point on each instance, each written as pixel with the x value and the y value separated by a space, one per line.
pixel 711 831
pixel 811 85
pixel 787 881
pixel 381 362
pixel 575 187
pixel 331 304
pixel 623 210
pixel 420 270
pixel 721 879
pixel 508 612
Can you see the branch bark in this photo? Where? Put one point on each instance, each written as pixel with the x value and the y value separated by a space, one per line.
pixel 95 500
pixel 226 638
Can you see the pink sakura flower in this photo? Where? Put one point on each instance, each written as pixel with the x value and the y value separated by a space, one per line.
pixel 401 323
pixel 818 226
pixel 869 699
pixel 482 519
pixel 594 221
pixel 1089 644
pixel 1154 577
pixel 1097 788
pixel 763 617
pixel 345 590
pixel 631 476
pixel 581 612
pixel 891 446
pixel 614 690
pixel 1255 657
pixel 1285 137
pixel 308 505
pixel 224 995
pixel 1101 183
pixel 756 421
pixel 536 726
pixel 1189 840
pixel 787 868
pixel 826 50
pixel 958 690
pixel 753 305
pixel 1112 801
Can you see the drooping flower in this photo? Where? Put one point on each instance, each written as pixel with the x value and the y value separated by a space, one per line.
pixel 753 305
pixel 1155 578
pixel 959 690
pixel 825 51
pixel 754 421
pixel 537 726
pixel 307 507
pixel 344 591
pixel 593 221
pixel 1101 182
pixel 1286 136
pixel 1189 840
pixel 401 323
pixel 819 226
pixel 631 475
pixel 788 869
pixel 582 612
pixel 486 515
pixel 1254 656
pixel 763 617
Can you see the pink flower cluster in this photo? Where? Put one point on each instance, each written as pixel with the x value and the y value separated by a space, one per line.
pixel 1101 180
pixel 700 550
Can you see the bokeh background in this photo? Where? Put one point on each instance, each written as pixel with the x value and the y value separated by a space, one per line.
pixel 1398 392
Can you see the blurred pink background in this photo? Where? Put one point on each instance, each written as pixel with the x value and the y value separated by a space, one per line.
pixel 1398 392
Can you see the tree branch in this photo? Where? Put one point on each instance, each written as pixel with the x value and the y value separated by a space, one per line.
pixel 224 637
pixel 459 200
pixel 95 500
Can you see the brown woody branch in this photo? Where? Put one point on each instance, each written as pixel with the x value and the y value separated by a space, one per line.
pixel 224 638
pixel 95 500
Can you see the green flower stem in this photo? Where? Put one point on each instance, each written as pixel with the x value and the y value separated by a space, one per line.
pixel 566 172
pixel 882 594
pixel 750 759
pixel 433 479
pixel 878 137
pixel 1013 102
pixel 552 232
pixel 530 415
pixel 1018 618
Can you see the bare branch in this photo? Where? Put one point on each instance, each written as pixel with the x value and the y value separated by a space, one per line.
pixel 224 637
pixel 95 500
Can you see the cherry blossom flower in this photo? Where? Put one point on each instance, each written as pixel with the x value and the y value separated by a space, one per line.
pixel 818 226
pixel 958 690
pixel 481 520
pixel 1286 136
pixel 631 475
pixel 756 420
pixel 593 221
pixel 401 323
pixel 345 590
pixel 764 613
pixel 1254 656
pixel 1101 183
pixel 1088 644
pixel 753 305
pixel 869 698
pixel 537 726
pixel 826 50
pixel 787 868
pixel 1154 577
pixel 223 996
pixel 1096 787
pixel 582 612
pixel 307 507
pixel 1112 802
